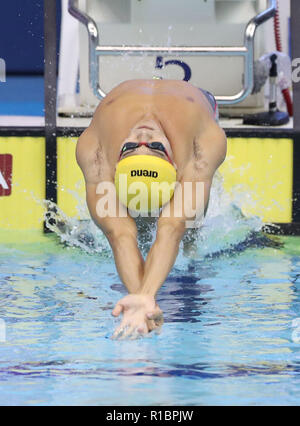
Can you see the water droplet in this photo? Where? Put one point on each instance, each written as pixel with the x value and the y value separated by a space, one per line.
pixel 296 335
pixel 296 322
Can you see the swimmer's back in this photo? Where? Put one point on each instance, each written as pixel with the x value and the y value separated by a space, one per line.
pixel 182 109
pixel 156 88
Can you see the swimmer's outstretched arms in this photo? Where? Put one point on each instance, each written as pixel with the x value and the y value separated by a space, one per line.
pixel 166 128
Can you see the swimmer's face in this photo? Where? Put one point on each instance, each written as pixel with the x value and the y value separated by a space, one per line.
pixel 147 131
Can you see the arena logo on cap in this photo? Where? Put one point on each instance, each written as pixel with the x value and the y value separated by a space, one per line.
pixel 5 174
pixel 147 173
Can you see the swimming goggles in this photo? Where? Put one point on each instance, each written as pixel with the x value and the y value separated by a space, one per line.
pixel 158 146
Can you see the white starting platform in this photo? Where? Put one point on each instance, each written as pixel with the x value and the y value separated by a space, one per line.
pixel 213 44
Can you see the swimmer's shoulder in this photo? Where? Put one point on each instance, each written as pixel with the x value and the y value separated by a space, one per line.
pixel 115 94
pixel 126 86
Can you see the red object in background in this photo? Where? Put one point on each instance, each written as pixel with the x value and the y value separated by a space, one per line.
pixel 285 92
pixel 5 174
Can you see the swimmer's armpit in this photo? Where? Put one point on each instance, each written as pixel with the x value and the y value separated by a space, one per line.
pixel 89 156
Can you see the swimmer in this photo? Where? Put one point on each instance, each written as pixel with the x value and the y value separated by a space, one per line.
pixel 147 123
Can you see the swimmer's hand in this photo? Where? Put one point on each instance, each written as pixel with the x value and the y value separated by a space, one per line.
pixel 141 314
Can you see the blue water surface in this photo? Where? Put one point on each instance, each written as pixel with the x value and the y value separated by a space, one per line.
pixel 228 337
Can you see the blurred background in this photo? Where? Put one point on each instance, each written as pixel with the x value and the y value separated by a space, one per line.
pixel 206 23
pixel 22 48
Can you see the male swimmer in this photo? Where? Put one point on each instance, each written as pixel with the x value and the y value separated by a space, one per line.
pixel 155 130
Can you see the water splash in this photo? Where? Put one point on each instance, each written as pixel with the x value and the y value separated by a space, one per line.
pixel 296 331
pixel 73 232
pixel 225 225
pixel 225 228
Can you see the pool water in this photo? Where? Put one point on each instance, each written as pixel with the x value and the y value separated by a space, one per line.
pixel 228 336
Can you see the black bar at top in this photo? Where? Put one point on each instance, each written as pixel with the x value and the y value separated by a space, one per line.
pixel 295 41
pixel 50 85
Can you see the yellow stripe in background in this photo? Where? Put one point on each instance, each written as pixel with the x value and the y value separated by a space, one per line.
pixel 70 181
pixel 259 170
pixel 262 171
pixel 23 208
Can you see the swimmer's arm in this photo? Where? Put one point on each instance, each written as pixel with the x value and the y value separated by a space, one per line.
pixel 121 232
pixel 141 312
pixel 164 251
pixel 170 230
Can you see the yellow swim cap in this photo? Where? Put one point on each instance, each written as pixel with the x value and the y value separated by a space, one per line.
pixel 145 183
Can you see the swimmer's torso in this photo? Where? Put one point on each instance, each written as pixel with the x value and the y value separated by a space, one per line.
pixel 181 109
